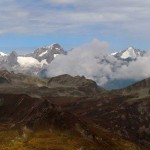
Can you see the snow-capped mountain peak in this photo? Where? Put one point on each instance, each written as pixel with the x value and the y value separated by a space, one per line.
pixel 2 54
pixel 54 46
pixel 43 53
pixel 51 46
pixel 130 48
pixel 114 53
pixel 31 63
pixel 129 53
pixel 48 53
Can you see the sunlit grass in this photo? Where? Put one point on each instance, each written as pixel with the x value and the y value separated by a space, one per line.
pixel 44 140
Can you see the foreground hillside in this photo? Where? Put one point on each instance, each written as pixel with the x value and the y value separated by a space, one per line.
pixel 69 113
pixel 32 124
pixel 125 112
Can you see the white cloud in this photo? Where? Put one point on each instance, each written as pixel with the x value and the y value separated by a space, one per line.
pixel 73 16
pixel 62 1
pixel 83 60
pixel 136 70
pixel 94 62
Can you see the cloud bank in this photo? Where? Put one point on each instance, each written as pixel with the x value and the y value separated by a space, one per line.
pixel 136 70
pixel 81 61
pixel 94 62
pixel 45 17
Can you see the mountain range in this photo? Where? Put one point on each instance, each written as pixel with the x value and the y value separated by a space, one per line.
pixel 31 63
pixel 36 63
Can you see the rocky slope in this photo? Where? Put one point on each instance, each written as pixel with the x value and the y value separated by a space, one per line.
pixel 125 112
pixel 77 82
pixel 71 111
pixel 63 85
pixel 32 123
pixel 140 89
pixel 48 53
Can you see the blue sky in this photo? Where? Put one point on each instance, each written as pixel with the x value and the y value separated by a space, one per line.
pixel 26 25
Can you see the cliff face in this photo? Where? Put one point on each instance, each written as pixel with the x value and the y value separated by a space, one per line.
pixel 87 86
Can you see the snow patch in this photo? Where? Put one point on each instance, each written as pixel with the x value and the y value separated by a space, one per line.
pixel 43 53
pixel 28 61
pixel 129 53
pixel 113 54
pixel 44 62
pixel 55 55
pixel 50 46
pixel 57 48
pixel 2 54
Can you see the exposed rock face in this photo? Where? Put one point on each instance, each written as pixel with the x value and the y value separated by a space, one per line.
pixel 141 88
pixel 64 85
pixel 12 59
pixel 81 83
pixel 47 53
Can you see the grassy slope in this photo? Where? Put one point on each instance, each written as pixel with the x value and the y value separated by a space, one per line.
pixel 53 139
